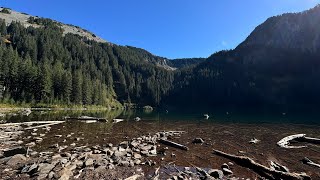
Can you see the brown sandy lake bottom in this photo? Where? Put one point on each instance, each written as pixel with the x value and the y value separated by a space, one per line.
pixel 227 132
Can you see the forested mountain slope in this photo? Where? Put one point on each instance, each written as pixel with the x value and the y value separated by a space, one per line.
pixel 278 64
pixel 44 65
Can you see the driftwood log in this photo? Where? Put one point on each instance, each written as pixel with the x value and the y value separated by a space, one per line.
pixel 285 142
pixel 311 163
pixel 49 123
pixel 173 144
pixel 261 169
pixel 87 118
pixel 43 124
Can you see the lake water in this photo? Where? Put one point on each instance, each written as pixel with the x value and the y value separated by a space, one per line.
pixel 224 130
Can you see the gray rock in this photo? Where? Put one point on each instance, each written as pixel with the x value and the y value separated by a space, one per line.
pixel 45 168
pixel 89 162
pixel 64 161
pixel 198 141
pixel 153 152
pixel 33 168
pixel 137 156
pixel 119 154
pixel 110 145
pixel 51 175
pixel 54 146
pixel 124 163
pixel 14 151
pixel 137 161
pixel 218 174
pixel 31 144
pixel 17 159
pixel 144 152
pixel 108 152
pixel 134 143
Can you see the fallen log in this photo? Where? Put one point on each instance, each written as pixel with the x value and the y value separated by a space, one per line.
pixel 261 169
pixel 310 140
pixel 173 144
pixel 278 167
pixel 117 120
pixel 309 162
pixel 29 123
pixel 285 142
pixel 87 118
pixel 45 125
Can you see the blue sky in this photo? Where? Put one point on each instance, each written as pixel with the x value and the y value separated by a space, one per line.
pixel 168 28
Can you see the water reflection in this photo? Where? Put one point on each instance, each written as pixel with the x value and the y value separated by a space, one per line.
pixel 173 116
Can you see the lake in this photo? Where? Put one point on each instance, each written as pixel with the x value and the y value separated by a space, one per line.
pixel 226 131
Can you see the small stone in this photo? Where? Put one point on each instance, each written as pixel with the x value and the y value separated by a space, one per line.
pixel 89 162
pixel 54 146
pixel 254 141
pixel 110 145
pixel 31 144
pixel 137 156
pixel 124 163
pixel 137 161
pixel 230 164
pixel 226 171
pixel 32 169
pixel 51 175
pixel 153 152
pixel 64 161
pixel 58 136
pixel 198 141
pixel 218 174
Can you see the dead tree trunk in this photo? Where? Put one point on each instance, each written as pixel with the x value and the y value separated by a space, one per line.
pixel 261 169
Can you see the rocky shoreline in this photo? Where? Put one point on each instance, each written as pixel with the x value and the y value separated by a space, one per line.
pixel 21 162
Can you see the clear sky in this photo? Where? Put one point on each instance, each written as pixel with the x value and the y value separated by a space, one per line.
pixel 168 28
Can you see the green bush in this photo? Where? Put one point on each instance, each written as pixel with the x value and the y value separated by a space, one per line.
pixel 6 11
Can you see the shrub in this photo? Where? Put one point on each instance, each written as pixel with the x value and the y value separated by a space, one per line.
pixel 6 11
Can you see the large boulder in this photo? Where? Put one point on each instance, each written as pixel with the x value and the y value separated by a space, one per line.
pixel 17 159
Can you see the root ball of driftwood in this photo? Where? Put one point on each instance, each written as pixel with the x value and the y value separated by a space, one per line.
pixel 285 142
pixel 261 169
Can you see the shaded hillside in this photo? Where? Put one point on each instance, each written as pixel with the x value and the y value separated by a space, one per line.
pixel 278 64
pixel 185 62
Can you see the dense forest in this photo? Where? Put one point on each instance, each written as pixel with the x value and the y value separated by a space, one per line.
pixel 41 65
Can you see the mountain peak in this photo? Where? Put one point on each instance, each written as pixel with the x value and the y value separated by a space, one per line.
pixel 288 31
pixel 10 15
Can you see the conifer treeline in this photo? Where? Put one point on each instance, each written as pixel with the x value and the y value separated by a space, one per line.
pixel 41 65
